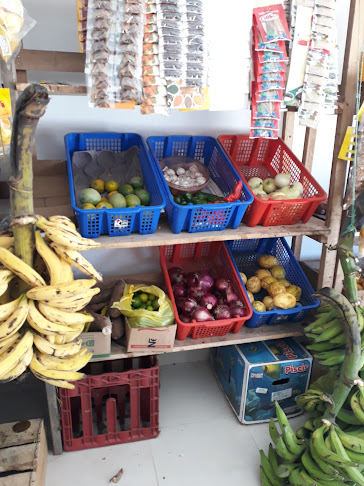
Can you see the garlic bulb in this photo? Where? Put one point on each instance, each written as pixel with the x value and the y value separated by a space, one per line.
pixel 180 171
pixel 170 172
pixel 200 180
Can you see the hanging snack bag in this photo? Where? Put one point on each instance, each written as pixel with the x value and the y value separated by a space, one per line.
pixel 272 23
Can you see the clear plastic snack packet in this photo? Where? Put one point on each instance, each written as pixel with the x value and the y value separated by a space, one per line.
pixel 270 95
pixel 15 23
pixel 267 109
pixel 263 133
pixel 265 123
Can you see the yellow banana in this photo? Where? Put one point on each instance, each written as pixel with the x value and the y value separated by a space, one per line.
pixel 4 286
pixel 6 343
pixel 58 350
pixel 66 236
pixel 20 268
pixel 74 363
pixel 61 291
pixel 51 373
pixel 59 383
pixel 16 354
pixel 50 258
pixel 75 259
pixel 66 271
pixel 4 274
pixel 16 320
pixel 43 325
pixel 7 309
pixel 18 368
pixel 62 220
pixel 74 304
pixel 60 316
pixel 6 241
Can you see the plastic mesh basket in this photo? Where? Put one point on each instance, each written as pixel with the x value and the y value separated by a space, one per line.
pixel 266 158
pixel 203 217
pixel 214 258
pixel 111 407
pixel 245 255
pixel 118 221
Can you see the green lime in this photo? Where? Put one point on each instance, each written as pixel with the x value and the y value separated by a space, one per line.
pixel 117 200
pixel 144 196
pixel 149 302
pixel 150 308
pixel 126 189
pixel 155 304
pixel 143 305
pixel 136 302
pixel 137 182
pixel 152 297
pixel 144 297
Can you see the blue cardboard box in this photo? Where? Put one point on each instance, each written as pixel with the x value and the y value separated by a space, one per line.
pixel 255 375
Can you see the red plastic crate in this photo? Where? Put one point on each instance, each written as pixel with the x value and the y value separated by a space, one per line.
pixel 214 258
pixel 113 407
pixel 266 158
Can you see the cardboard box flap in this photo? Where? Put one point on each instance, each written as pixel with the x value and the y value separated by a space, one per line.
pixel 273 350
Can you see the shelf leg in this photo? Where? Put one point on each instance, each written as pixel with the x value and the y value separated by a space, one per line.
pixel 54 421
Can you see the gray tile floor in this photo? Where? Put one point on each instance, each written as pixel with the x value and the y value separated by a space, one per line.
pixel 201 442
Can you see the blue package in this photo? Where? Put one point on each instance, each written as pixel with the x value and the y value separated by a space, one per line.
pixel 255 375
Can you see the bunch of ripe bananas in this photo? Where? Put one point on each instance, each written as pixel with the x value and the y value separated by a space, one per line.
pixel 46 315
pixel 330 457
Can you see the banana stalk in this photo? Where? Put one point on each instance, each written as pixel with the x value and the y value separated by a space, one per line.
pixel 30 106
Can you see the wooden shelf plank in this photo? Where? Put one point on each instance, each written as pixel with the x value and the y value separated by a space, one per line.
pixel 61 89
pixel 246 335
pixel 314 228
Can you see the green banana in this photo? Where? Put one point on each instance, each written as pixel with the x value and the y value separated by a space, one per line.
pixel 273 432
pixel 301 433
pixel 348 417
pixel 269 471
pixel 324 327
pixel 306 478
pixel 273 457
pixel 338 340
pixel 295 478
pixel 318 444
pixel 294 445
pixel 311 466
pixel 356 407
pixel 322 319
pixel 361 395
pixel 355 456
pixel 322 464
pixel 309 425
pixel 263 477
pixel 323 309
pixel 283 451
pixel 330 333
pixel 351 442
pixel 334 353
pixel 353 473
pixel 319 347
pixel 285 469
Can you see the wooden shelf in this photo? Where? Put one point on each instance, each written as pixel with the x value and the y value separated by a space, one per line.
pixel 246 335
pixel 315 228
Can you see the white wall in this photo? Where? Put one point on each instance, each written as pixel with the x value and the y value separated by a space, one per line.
pixel 57 30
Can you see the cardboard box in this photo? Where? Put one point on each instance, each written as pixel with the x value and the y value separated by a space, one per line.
pixel 98 343
pixel 255 375
pixel 149 339
pixel 23 453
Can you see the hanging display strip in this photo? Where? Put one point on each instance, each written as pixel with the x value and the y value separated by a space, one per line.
pixel 320 85
pixel 82 6
pixel 270 30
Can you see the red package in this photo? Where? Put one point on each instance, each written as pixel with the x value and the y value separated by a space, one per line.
pixel 271 23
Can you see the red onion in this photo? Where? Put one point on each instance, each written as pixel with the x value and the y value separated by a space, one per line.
pixel 179 290
pixel 209 301
pixel 175 275
pixel 187 305
pixel 195 292
pixel 237 310
pixel 184 318
pixel 201 314
pixel 220 300
pixel 230 296
pixel 222 312
pixel 222 284
pixel 206 282
pixel 191 279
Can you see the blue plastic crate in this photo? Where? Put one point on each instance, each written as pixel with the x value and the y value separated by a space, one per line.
pixel 245 255
pixel 118 221
pixel 203 217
